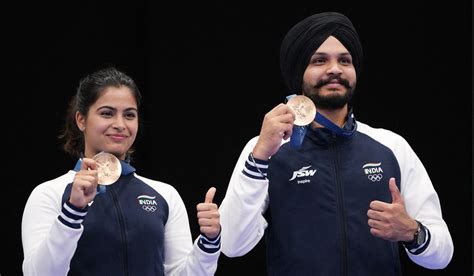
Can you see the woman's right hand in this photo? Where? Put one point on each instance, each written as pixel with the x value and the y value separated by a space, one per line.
pixel 84 186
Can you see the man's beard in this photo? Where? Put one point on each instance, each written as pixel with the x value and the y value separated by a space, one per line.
pixel 329 102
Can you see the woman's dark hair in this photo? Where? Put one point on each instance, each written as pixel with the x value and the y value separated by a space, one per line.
pixel 90 89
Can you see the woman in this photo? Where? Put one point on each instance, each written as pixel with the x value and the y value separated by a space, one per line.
pixel 137 226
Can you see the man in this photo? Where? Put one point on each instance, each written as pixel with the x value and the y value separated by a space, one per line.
pixel 341 197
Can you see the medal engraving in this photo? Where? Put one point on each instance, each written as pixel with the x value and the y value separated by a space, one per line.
pixel 304 109
pixel 108 167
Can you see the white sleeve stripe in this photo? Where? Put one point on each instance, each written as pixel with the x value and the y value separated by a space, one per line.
pixel 70 220
pixel 70 210
pixel 206 240
pixel 260 166
pixel 256 174
pixel 211 246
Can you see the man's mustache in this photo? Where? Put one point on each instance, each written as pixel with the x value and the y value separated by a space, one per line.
pixel 340 80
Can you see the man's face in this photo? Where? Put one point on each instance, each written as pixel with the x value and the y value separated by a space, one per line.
pixel 330 77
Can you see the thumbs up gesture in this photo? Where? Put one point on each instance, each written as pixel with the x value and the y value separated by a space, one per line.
pixel 208 216
pixel 390 221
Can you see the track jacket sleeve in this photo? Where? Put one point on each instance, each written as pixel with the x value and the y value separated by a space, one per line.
pixel 422 203
pixel 242 208
pixel 50 231
pixel 182 256
pixel 421 200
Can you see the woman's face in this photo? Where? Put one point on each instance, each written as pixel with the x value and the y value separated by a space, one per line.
pixel 111 123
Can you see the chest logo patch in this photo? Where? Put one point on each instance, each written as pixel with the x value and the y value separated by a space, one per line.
pixel 148 203
pixel 373 171
pixel 303 172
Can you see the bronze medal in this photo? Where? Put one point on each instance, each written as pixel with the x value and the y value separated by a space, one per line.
pixel 108 167
pixel 304 109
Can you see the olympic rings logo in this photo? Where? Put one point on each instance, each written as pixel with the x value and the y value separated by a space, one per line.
pixel 374 177
pixel 149 208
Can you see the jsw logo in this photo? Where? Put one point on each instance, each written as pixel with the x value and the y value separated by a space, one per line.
pixel 303 172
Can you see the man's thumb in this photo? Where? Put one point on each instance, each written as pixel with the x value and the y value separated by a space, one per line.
pixel 396 197
pixel 210 195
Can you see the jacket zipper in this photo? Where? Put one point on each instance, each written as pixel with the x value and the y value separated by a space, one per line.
pixel 123 233
pixel 340 208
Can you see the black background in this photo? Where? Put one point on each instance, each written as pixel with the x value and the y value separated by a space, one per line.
pixel 208 74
